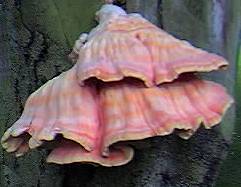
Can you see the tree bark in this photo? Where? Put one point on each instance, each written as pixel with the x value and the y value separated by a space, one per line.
pixel 35 38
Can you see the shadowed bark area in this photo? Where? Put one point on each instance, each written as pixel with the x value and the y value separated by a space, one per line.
pixel 35 38
pixel 230 171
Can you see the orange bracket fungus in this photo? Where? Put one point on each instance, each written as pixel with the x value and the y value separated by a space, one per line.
pixel 131 80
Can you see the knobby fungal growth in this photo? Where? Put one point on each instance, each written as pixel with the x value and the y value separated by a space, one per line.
pixel 131 80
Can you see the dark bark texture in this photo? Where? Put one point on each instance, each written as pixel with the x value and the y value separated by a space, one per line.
pixel 35 38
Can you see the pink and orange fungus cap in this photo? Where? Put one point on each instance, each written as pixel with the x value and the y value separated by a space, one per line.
pixel 129 82
pixel 129 46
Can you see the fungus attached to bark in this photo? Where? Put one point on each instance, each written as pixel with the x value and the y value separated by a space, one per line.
pixel 129 46
pixel 143 91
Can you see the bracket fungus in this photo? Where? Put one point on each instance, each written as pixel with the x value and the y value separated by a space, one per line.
pixel 131 81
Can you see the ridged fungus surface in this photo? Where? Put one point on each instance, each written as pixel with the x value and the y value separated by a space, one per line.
pixel 131 81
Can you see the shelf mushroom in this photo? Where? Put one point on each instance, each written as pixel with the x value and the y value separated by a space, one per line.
pixel 131 81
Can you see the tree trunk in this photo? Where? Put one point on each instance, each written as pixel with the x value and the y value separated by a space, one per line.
pixel 35 38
